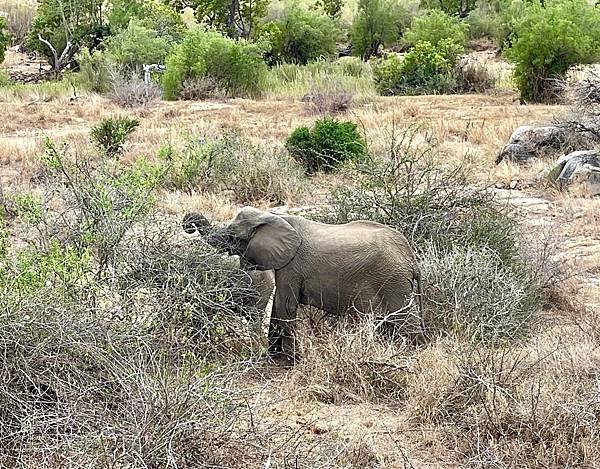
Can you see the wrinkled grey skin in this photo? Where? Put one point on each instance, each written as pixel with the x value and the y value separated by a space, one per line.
pixel 362 266
pixel 263 281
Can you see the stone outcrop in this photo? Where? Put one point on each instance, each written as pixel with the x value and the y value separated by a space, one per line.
pixel 528 142
pixel 578 171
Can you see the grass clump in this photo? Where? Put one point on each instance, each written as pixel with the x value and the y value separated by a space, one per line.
pixel 348 362
pixel 328 98
pixel 353 75
pixel 327 145
pixel 511 406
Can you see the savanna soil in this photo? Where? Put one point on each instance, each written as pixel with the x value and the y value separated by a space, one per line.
pixel 471 128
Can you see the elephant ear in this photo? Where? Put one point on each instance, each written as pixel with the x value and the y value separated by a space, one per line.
pixel 272 241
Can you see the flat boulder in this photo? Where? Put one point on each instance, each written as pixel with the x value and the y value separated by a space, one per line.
pixel 578 171
pixel 528 142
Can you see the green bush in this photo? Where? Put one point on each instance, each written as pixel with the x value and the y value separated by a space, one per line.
pixel 95 71
pixel 4 38
pixel 236 66
pixel 333 8
pixel 378 23
pixel 151 14
pixel 435 27
pixel 548 40
pixel 112 133
pixel 425 69
pixel 301 36
pixel 327 145
pixel 122 56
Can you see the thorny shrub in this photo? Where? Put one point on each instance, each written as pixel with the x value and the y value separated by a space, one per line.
pixel 111 325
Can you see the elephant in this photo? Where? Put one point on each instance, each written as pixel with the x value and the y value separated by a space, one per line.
pixel 262 281
pixel 362 266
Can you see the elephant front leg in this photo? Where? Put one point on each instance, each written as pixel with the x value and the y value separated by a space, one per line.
pixel 281 327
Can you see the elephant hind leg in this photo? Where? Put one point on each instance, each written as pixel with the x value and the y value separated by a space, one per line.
pixel 404 317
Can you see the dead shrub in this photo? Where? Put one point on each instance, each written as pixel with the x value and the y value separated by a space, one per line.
pixel 582 119
pixel 530 407
pixel 329 97
pixel 473 76
pixel 133 92
pixel 119 339
pixel 198 89
pixel 473 296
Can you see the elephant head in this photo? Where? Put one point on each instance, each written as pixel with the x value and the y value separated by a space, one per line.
pixel 268 241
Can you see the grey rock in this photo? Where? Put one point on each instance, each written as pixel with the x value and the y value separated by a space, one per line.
pixel 528 142
pixel 578 170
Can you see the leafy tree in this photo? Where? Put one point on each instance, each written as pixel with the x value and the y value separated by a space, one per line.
pixel 333 8
pixel 548 40
pixel 434 27
pixel 378 23
pixel 486 21
pixel 152 14
pixel 460 8
pixel 236 18
pixel 4 38
pixel 301 36
pixel 61 28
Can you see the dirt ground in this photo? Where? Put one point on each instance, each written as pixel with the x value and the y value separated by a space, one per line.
pixel 471 126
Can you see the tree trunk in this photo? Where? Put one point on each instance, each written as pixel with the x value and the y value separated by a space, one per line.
pixel 234 8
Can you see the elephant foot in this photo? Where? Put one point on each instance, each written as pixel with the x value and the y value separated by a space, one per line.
pixel 419 339
pixel 281 356
pixel 282 359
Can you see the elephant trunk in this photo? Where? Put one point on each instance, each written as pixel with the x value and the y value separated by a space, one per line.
pixel 221 239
